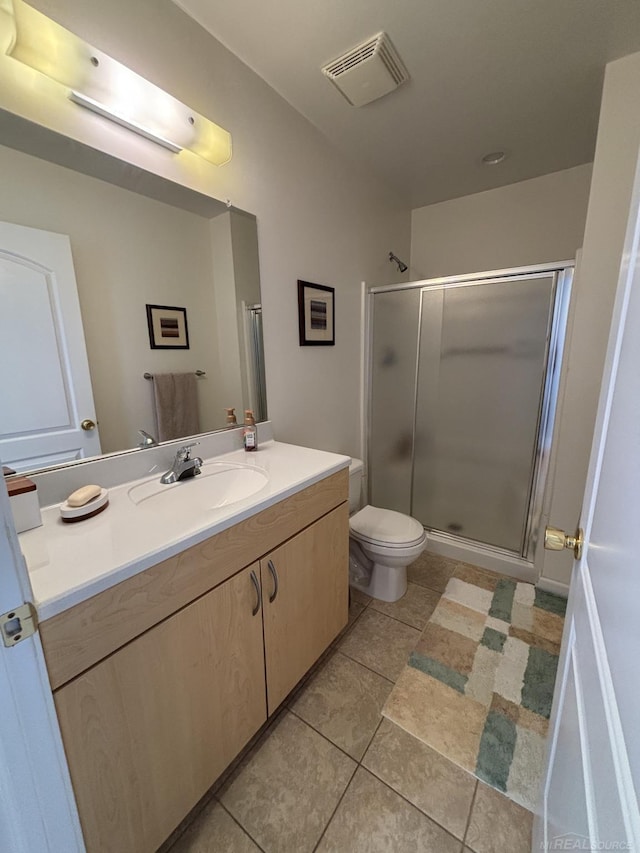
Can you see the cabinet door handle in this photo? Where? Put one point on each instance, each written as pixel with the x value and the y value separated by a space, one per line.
pixel 274 575
pixel 254 580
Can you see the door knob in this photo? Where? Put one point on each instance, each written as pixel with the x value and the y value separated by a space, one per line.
pixel 87 424
pixel 557 540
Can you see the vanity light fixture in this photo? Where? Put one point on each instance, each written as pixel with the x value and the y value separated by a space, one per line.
pixel 95 107
pixel 108 88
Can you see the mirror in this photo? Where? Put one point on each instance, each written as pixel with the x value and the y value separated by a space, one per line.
pixel 136 239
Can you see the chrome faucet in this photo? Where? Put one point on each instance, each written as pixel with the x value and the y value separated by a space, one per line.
pixel 184 466
pixel 147 439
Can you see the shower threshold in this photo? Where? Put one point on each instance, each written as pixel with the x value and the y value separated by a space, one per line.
pixel 479 554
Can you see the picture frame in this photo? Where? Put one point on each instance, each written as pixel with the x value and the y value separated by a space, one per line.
pixel 316 314
pixel 167 327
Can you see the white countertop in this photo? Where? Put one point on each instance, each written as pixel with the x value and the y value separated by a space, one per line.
pixel 69 563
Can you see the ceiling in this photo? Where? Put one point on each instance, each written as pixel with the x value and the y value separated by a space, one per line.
pixel 523 76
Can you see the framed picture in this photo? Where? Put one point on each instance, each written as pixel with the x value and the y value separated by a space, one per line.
pixel 167 327
pixel 316 314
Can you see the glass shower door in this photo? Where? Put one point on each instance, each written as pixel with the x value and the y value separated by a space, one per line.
pixel 481 372
pixel 395 328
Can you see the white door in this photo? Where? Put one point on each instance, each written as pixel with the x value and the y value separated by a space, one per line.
pixel 37 809
pixel 45 384
pixel 590 796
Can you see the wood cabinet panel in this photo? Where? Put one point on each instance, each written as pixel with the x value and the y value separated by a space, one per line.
pixel 148 730
pixel 311 604
pixel 79 637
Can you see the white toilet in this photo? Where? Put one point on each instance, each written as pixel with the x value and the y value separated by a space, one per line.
pixel 382 544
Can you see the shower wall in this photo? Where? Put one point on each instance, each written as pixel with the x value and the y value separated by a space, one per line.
pixel 458 383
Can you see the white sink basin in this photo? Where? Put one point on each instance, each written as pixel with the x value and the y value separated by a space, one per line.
pixel 220 484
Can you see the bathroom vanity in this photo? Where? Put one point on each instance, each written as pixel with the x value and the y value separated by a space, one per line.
pixel 162 676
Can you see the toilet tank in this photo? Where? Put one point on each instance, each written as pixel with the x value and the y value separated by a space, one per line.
pixel 356 470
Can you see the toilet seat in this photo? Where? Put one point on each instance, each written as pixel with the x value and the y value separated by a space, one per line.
pixel 375 526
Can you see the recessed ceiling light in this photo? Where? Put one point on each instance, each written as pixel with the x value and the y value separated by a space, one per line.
pixel 493 158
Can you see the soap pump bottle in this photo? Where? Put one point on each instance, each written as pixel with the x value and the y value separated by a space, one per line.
pixel 250 431
pixel 231 418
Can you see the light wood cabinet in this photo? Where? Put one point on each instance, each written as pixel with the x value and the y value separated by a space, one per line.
pixel 305 590
pixel 148 730
pixel 159 682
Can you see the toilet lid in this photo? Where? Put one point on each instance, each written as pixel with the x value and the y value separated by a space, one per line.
pixel 386 526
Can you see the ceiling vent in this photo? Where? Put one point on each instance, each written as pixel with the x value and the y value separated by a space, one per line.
pixel 368 71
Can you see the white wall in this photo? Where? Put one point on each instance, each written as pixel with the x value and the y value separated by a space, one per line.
pixel 128 251
pixel 614 168
pixel 529 222
pixel 320 218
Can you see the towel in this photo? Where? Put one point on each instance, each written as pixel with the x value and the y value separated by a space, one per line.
pixel 175 397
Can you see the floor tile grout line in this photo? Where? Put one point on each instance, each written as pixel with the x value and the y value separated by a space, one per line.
pixel 218 787
pixel 237 822
pixel 473 802
pixel 363 665
pixel 246 754
pixel 180 833
pixel 371 739
pixel 319 666
pixel 401 621
pixel 348 628
pixel 333 813
pixel 408 801
pixel 367 667
pixel 359 763
pixel 322 735
pixel 430 588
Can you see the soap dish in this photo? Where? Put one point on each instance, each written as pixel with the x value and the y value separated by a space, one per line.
pixel 79 513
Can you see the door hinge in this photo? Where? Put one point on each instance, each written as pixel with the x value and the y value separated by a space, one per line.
pixel 18 624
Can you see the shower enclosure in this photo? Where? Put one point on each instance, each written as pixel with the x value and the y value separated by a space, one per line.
pixel 464 376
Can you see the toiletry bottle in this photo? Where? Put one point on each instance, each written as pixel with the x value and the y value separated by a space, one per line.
pixel 250 431
pixel 231 418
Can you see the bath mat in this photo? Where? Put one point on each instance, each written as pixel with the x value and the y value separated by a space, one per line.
pixel 479 684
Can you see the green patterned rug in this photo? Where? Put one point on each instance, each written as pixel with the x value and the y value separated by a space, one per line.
pixel 479 685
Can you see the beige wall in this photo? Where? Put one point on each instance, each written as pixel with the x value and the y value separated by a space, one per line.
pixel 128 251
pixel 614 167
pixel 530 222
pixel 320 218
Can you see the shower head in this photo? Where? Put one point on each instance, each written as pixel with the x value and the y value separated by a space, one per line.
pixel 402 267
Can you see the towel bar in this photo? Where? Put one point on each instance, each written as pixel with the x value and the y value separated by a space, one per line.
pixel 197 372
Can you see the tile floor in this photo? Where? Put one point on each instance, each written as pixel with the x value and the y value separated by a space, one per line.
pixel 330 774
